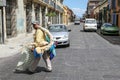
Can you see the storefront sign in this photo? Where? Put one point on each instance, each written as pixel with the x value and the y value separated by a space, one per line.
pixel 2 3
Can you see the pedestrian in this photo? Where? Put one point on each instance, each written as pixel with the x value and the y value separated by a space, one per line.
pixel 48 23
pixel 42 46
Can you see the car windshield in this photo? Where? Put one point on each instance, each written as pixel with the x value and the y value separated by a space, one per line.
pixel 90 21
pixel 57 28
pixel 108 25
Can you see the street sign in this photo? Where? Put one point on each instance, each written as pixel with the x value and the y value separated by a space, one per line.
pixel 2 3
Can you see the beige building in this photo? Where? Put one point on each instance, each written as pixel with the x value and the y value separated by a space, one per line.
pixel 90 6
pixel 67 15
pixel 100 12
pixel 18 15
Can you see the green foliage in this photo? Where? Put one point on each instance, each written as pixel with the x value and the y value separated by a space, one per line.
pixel 51 14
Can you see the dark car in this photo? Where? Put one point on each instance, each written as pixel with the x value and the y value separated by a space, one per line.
pixel 110 29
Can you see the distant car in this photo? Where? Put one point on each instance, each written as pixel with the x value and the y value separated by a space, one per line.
pixel 60 34
pixel 90 24
pixel 108 28
pixel 77 21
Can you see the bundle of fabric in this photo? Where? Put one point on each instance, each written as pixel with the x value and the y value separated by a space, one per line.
pixel 26 59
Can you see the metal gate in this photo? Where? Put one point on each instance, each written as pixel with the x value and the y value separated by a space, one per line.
pixel 11 18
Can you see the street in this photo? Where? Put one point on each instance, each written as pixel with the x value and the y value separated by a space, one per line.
pixel 89 57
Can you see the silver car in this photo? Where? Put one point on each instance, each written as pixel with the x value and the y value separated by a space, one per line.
pixel 60 34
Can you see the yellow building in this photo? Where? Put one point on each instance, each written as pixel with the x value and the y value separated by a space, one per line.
pixel 66 15
pixel 100 11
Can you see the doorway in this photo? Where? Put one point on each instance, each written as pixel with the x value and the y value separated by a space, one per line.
pixel 11 18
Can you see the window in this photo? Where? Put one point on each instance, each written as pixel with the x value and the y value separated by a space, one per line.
pixel 113 4
pixel 118 2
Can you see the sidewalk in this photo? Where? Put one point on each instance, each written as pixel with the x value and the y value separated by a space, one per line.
pixel 14 45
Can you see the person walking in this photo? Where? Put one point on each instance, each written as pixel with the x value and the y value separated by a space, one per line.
pixel 49 22
pixel 41 47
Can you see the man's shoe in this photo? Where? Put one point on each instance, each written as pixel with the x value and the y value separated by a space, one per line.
pixel 17 71
pixel 48 70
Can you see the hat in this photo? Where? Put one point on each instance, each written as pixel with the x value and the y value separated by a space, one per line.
pixel 35 22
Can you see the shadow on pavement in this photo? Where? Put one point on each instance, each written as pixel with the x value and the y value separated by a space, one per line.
pixel 38 70
pixel 114 39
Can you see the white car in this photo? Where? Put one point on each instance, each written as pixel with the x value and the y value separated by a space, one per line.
pixel 90 24
pixel 77 21
pixel 60 34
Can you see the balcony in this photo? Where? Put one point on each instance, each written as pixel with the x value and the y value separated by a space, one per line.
pixel 52 4
pixel 46 1
pixel 59 8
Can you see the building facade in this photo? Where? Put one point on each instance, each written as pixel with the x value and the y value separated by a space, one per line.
pixel 101 12
pixel 114 7
pixel 108 11
pixel 18 15
pixel 90 6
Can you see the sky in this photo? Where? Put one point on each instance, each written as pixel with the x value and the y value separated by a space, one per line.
pixel 77 6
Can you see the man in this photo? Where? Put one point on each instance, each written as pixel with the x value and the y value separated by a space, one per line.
pixel 48 23
pixel 41 46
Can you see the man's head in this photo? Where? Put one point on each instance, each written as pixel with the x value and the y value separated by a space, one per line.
pixel 35 24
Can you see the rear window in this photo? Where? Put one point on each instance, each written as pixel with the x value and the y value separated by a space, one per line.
pixel 108 25
pixel 57 28
pixel 77 19
pixel 90 21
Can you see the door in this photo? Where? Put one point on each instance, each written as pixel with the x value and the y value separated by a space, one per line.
pixel 11 18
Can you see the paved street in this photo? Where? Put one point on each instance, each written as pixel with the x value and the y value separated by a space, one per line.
pixel 89 57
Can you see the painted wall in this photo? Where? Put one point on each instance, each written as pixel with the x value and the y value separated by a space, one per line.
pixel 20 17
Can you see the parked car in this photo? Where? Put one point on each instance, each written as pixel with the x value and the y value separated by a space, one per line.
pixel 108 28
pixel 77 21
pixel 60 34
pixel 90 24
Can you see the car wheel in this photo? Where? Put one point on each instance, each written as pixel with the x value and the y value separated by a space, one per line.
pixel 68 45
pixel 84 30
